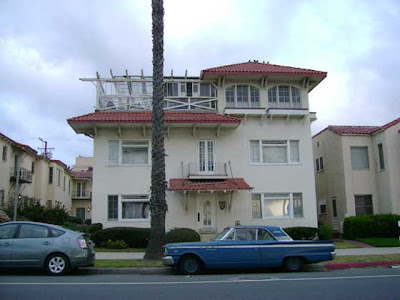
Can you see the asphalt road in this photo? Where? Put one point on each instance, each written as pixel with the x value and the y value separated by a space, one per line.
pixel 379 284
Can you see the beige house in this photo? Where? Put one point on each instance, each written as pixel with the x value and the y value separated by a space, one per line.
pixel 82 174
pixel 238 146
pixel 357 171
pixel 40 179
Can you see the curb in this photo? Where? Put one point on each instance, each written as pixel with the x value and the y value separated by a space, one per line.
pixel 126 271
pixel 343 266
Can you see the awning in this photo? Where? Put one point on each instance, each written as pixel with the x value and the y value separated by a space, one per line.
pixel 229 184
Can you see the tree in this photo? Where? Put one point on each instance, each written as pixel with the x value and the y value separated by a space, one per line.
pixel 158 205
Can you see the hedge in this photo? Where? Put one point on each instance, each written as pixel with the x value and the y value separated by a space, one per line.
pixel 302 233
pixel 384 225
pixel 179 235
pixel 324 232
pixel 134 237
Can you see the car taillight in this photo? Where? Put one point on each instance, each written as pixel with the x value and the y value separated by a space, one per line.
pixel 82 243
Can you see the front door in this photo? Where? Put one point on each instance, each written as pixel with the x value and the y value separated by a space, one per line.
pixel 206 156
pixel 206 213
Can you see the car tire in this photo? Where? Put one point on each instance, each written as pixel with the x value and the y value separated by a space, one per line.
pixel 190 265
pixel 292 264
pixel 57 264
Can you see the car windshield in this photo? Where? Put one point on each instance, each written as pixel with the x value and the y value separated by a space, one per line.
pixel 222 234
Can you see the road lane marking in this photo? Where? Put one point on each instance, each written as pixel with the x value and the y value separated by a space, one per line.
pixel 201 282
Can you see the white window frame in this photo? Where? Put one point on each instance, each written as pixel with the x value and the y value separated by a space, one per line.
pixel 264 196
pixel 276 87
pixel 248 96
pixel 351 158
pixel 206 154
pixel 139 200
pixel 288 154
pixel 318 161
pixel 120 164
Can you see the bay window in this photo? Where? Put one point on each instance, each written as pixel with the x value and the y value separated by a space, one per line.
pixel 274 152
pixel 242 96
pixel 277 205
pixel 284 96
pixel 133 152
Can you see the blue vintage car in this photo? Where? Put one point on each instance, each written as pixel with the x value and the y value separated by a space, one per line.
pixel 247 247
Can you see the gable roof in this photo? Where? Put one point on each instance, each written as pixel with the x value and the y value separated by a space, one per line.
pixel 255 67
pixel 145 117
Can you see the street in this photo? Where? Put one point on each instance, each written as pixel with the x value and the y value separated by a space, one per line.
pixel 381 283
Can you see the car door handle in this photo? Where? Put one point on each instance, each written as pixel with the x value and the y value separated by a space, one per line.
pixel 46 243
pixel 6 244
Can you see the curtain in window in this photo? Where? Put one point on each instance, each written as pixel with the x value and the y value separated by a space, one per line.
pixel 135 210
pixel 275 154
pixel 276 207
pixel 134 156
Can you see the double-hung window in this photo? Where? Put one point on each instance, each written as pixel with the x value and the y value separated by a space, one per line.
pixel 284 96
pixel 277 205
pixel 274 152
pixel 134 153
pixel 242 96
pixel 128 207
pixel 359 158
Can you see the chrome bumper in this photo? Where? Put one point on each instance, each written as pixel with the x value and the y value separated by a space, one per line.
pixel 333 255
pixel 168 261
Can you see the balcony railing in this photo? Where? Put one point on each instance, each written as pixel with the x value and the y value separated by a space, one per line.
pixel 81 195
pixel 207 170
pixel 25 175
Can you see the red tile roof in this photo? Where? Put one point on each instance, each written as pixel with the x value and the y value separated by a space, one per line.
pixel 262 69
pixel 82 174
pixel 60 163
pixel 145 117
pixel 230 184
pixel 390 124
pixel 354 129
pixel 19 145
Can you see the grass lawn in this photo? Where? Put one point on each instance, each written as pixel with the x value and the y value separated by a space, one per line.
pixel 381 242
pixel 345 245
pixel 127 263
pixel 365 258
pixel 99 249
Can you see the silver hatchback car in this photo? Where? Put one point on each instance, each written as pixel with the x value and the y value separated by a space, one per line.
pixel 47 246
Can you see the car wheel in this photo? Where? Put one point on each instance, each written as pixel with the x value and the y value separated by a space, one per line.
pixel 292 264
pixel 57 264
pixel 190 265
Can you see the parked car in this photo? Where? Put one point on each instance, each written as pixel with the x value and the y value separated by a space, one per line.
pixel 51 247
pixel 247 247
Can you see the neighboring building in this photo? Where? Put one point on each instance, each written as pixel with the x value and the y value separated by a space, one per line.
pixel 40 178
pixel 238 148
pixel 82 174
pixel 357 171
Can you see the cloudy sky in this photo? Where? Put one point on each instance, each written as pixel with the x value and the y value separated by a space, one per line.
pixel 46 46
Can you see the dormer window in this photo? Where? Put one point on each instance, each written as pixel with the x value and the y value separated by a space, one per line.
pixel 242 96
pixel 284 96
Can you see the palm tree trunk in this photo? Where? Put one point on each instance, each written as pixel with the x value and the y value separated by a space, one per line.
pixel 158 205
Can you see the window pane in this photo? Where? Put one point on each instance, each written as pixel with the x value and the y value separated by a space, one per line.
pixel 113 152
pixel 274 154
pixel 205 89
pixel 242 95
pixel 254 152
pixel 334 208
pixel 134 156
pixel 33 231
pixel 202 156
pixel 297 205
pixel 359 158
pixel 256 204
pixel 112 207
pixel 294 151
pixel 276 207
pixel 8 231
pixel 296 102
pixel 230 96
pixel 381 158
pixel 254 96
pixel 263 235
pixel 364 205
pixel 284 99
pixel 135 210
pixel 56 232
pixel 321 163
pixel 210 158
pixel 272 97
pixel 245 234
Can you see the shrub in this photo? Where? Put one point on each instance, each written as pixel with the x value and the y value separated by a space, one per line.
pixel 134 237
pixel 179 235
pixel 324 232
pixel 302 233
pixel 72 219
pixel 384 225
pixel 118 244
pixel 88 221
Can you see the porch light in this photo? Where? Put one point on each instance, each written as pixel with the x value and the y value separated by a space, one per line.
pixel 222 204
pixel 88 209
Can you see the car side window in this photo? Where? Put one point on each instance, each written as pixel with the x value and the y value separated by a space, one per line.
pixel 231 236
pixel 245 234
pixel 29 231
pixel 8 231
pixel 56 232
pixel 264 235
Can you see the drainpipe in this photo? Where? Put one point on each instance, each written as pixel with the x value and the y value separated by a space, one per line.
pixel 17 186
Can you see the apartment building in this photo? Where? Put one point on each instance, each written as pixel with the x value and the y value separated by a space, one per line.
pixel 82 174
pixel 357 171
pixel 238 148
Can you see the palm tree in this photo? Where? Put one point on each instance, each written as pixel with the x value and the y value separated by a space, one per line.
pixel 158 205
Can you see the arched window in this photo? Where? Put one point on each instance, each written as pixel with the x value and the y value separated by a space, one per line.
pixel 284 96
pixel 242 96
